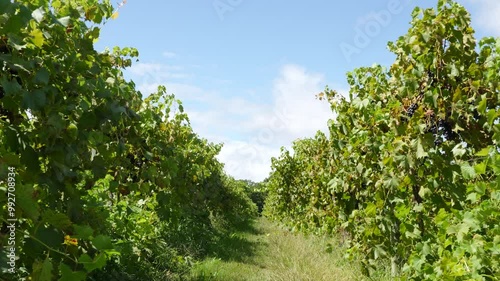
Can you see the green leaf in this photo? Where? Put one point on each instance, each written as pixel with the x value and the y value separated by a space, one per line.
pixel 102 242
pixel 468 171
pixel 38 14
pixel 421 153
pixel 480 168
pixel 483 152
pixel 471 221
pixel 426 250
pixel 83 232
pixel 37 37
pixel 35 100
pixel 26 202
pixel 379 252
pixel 84 259
pixel 29 158
pixel 42 76
pixel 454 71
pixel 457 96
pixel 46 274
pixel 64 21
pixel 480 188
pixel 391 183
pixel 11 159
pixel 371 209
pixel 68 275
pixel 58 220
pixel 110 253
pixel 401 211
pixel 42 271
pixel 110 80
pixel 491 115
pixel 10 87
pixel 458 150
pixel 473 197
pixel 424 192
pixel 481 108
pixel 92 264
pixel 426 36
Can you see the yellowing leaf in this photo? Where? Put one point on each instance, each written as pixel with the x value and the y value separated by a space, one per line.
pixel 70 241
pixel 37 37
pixel 480 168
pixel 481 108
pixel 483 152
pixel 421 153
pixel 114 15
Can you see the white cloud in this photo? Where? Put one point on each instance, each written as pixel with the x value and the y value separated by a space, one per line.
pixel 294 92
pixel 147 76
pixel 169 55
pixel 244 160
pixel 294 113
pixel 252 129
pixel 486 14
pixel 142 68
pixel 184 92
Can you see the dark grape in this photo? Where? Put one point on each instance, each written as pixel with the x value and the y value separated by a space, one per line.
pixel 441 123
pixel 442 130
pixel 447 130
pixel 449 135
pixel 432 129
pixel 476 114
pixel 411 109
pixel 432 78
pixel 437 140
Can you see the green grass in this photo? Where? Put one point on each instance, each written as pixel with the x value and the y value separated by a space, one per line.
pixel 264 251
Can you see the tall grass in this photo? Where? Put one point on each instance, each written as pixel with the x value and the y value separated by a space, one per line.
pixel 269 252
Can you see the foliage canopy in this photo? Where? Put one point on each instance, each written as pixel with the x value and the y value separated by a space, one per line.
pixel 107 184
pixel 411 169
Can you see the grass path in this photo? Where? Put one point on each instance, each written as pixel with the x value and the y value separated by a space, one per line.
pixel 265 251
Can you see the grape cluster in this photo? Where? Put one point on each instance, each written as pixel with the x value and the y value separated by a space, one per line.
pixel 432 78
pixel 441 130
pixel 136 161
pixel 476 115
pixel 437 140
pixel 4 49
pixel 411 109
pixel 6 114
pixel 446 129
pixel 433 129
pixel 447 87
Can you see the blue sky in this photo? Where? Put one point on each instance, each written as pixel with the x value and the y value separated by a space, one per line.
pixel 247 71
